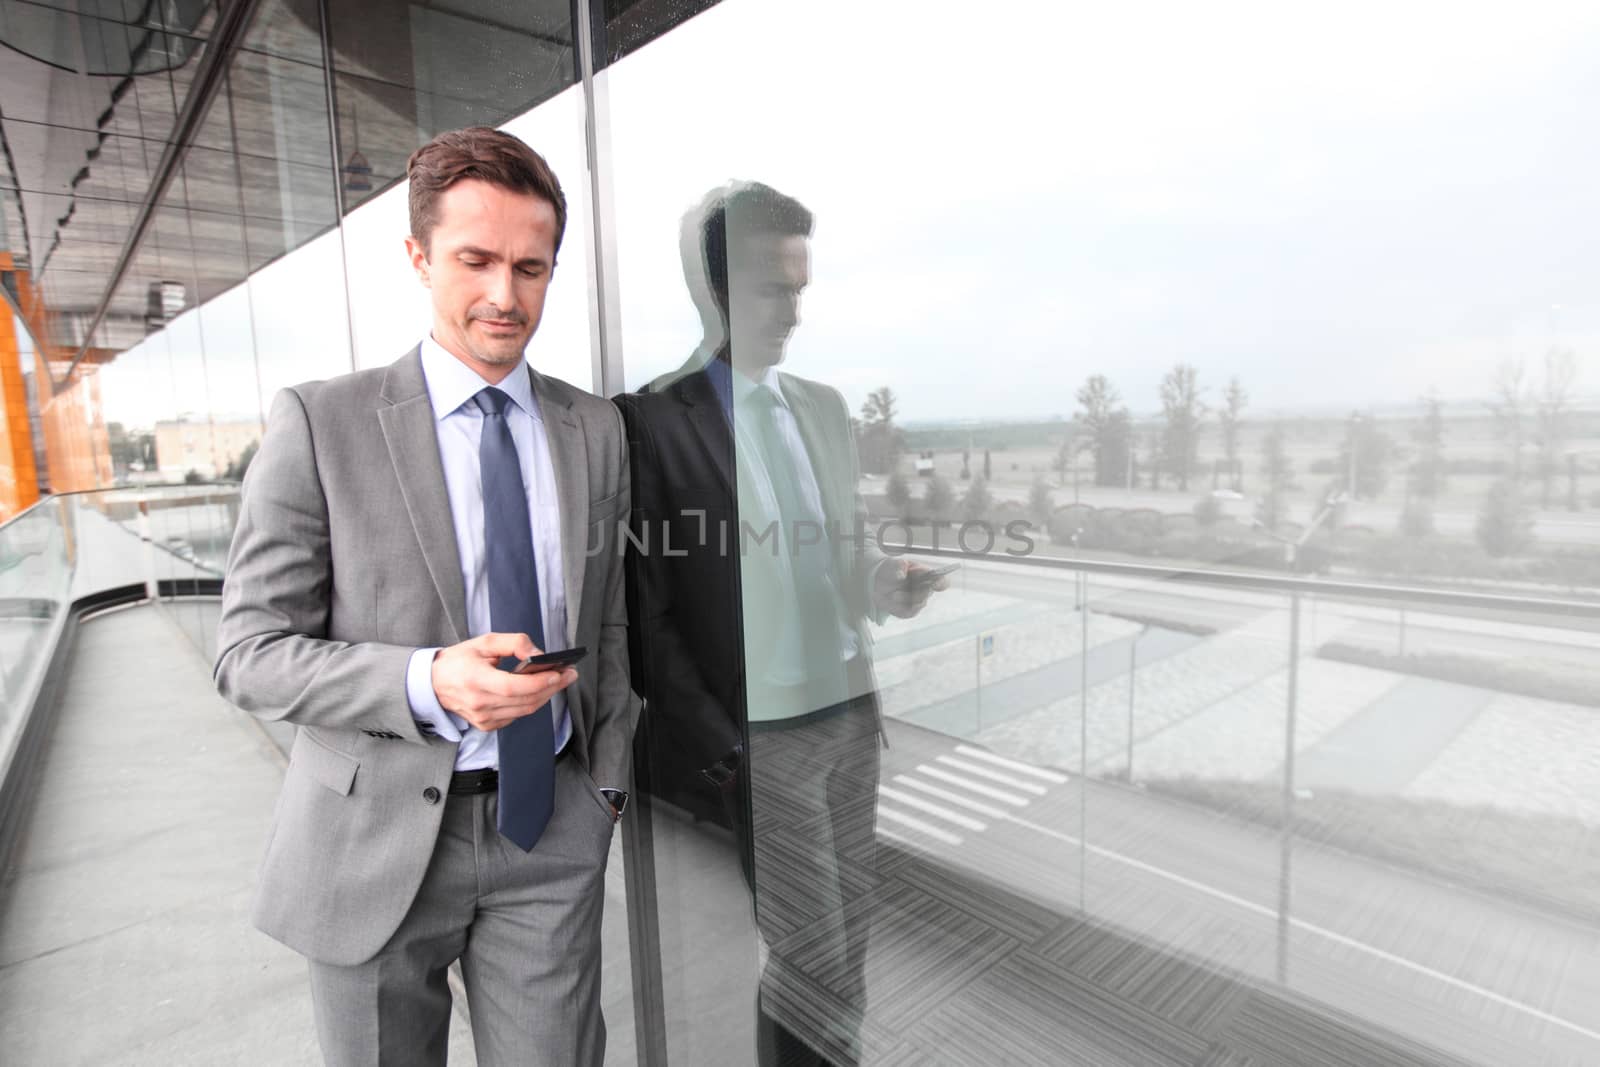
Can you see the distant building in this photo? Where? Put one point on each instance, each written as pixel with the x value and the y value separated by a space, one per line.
pixel 206 446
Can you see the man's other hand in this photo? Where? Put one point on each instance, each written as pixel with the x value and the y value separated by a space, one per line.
pixel 896 592
pixel 468 681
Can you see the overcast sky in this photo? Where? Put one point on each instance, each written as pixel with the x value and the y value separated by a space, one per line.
pixel 1345 207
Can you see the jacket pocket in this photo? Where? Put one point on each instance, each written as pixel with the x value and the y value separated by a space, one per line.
pixel 596 795
pixel 326 766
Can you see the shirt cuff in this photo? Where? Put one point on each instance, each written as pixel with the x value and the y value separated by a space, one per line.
pixel 431 718
pixel 877 612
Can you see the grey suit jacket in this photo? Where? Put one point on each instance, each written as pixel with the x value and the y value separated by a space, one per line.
pixel 343 563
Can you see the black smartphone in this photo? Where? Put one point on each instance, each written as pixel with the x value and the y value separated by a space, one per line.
pixel 551 661
pixel 923 579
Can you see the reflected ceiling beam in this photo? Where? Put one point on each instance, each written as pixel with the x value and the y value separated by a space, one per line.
pixel 225 38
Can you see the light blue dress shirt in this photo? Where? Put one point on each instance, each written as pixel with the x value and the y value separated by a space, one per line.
pixel 459 425
pixel 758 503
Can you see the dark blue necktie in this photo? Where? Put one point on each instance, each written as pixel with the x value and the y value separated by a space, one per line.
pixel 811 564
pixel 527 745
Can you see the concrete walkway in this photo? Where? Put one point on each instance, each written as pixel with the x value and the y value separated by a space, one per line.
pixel 124 922
pixel 124 930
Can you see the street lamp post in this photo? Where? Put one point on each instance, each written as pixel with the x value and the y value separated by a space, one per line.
pixel 1355 437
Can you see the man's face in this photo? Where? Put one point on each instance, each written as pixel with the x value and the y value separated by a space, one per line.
pixel 766 275
pixel 487 267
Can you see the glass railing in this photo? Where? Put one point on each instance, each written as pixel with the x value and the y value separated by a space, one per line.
pixel 37 552
pixel 1375 805
pixel 1378 802
pixel 169 540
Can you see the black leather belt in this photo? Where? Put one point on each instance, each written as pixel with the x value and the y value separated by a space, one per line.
pixel 486 780
pixel 471 783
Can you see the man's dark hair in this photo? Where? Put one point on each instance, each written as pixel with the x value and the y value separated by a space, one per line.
pixel 750 208
pixel 485 154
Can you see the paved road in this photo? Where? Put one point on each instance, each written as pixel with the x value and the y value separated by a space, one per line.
pixel 1486 980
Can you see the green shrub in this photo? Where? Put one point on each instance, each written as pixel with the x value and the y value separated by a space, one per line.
pixel 1504 527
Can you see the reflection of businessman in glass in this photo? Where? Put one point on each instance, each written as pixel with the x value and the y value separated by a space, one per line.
pixel 752 645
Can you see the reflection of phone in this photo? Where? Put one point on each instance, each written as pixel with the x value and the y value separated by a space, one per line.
pixel 923 579
pixel 551 661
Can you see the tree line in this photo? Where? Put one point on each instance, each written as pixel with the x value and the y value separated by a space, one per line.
pixel 1533 412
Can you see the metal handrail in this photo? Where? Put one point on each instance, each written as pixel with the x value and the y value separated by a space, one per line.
pixel 1411 595
pixel 51 497
pixel 1286 584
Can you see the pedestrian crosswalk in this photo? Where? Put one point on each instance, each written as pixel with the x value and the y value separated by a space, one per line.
pixel 1016 767
pixel 922 826
pixel 963 821
pixel 958 799
pixel 1010 781
pixel 975 787
pixel 956 794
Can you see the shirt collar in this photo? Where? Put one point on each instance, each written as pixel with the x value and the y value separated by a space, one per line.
pixel 451 383
pixel 733 387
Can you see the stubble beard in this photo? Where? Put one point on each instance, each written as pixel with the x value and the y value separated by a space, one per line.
pixel 499 356
pixel 499 353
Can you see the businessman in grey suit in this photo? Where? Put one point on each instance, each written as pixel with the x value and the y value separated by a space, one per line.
pixel 406 536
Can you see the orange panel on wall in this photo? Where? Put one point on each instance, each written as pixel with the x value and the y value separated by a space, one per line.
pixel 19 481
pixel 77 446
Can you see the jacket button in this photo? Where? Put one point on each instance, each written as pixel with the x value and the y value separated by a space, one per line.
pixel 431 795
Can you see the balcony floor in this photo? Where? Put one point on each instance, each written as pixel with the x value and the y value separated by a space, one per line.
pixel 124 933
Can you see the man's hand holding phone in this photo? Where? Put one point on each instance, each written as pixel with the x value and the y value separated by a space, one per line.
pixel 904 588
pixel 469 682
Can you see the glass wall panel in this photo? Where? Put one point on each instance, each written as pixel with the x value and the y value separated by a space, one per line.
pixel 406 71
pixel 389 308
pixel 302 331
pixel 84 148
pixel 1235 358
pixel 211 184
pixel 280 115
pixel 137 389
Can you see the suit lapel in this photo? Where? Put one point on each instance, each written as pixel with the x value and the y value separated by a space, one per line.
pixel 407 419
pixel 819 449
pixel 710 424
pixel 569 456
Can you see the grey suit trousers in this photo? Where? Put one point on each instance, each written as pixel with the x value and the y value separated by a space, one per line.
pixel 526 927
